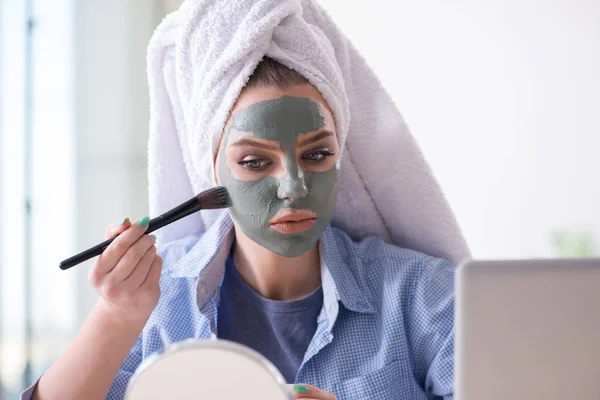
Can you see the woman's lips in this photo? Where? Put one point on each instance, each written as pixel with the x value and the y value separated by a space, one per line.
pixel 293 226
pixel 293 221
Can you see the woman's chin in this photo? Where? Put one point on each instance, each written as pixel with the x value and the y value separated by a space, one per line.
pixel 290 246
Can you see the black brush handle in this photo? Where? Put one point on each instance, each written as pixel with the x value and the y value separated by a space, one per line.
pixel 85 255
pixel 189 207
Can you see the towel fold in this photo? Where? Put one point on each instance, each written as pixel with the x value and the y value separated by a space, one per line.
pixel 200 58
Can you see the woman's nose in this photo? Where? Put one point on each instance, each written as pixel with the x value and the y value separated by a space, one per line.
pixel 291 184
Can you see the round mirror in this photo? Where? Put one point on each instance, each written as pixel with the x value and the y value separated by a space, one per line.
pixel 207 369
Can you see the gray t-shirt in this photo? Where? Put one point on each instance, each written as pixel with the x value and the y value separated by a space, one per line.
pixel 279 330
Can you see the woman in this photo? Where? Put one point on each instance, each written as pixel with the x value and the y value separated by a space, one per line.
pixel 389 337
pixel 339 318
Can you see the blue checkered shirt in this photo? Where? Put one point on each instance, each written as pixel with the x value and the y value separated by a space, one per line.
pixel 385 330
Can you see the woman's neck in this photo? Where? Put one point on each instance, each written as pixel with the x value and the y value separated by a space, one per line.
pixel 273 276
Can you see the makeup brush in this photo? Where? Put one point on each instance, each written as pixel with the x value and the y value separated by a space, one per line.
pixel 217 197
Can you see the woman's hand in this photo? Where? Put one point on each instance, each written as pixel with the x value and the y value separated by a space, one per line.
pixel 127 277
pixel 308 392
pixel 127 273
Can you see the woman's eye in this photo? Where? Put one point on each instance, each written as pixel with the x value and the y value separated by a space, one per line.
pixel 317 156
pixel 254 164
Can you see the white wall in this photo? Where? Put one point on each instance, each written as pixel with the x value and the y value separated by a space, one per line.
pixel 170 5
pixel 111 119
pixel 504 97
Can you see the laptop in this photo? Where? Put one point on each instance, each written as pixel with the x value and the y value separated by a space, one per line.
pixel 528 329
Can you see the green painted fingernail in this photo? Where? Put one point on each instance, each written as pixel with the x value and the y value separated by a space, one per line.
pixel 124 220
pixel 301 389
pixel 153 236
pixel 144 222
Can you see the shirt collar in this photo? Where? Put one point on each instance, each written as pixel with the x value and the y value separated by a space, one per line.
pixel 206 259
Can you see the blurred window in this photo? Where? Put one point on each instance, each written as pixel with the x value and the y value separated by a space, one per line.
pixel 36 190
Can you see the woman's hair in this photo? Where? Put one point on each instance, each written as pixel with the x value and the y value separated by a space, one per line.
pixel 270 73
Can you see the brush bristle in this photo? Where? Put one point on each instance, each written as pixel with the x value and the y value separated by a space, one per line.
pixel 214 198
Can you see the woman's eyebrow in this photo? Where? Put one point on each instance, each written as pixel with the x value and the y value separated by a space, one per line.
pixel 255 143
pixel 321 135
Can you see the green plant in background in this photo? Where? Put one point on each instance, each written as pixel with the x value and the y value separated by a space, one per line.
pixel 574 244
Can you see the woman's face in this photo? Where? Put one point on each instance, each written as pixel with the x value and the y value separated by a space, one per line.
pixel 278 158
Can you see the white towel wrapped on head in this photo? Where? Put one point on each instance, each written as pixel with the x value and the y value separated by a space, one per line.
pixel 200 58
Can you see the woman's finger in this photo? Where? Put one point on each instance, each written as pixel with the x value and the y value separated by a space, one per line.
pixel 115 229
pixel 129 261
pixel 153 278
pixel 113 253
pixel 140 271
pixel 309 392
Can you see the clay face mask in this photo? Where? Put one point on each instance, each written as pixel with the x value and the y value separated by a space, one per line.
pixel 282 121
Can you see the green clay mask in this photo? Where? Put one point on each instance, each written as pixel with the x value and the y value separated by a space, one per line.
pixel 256 202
